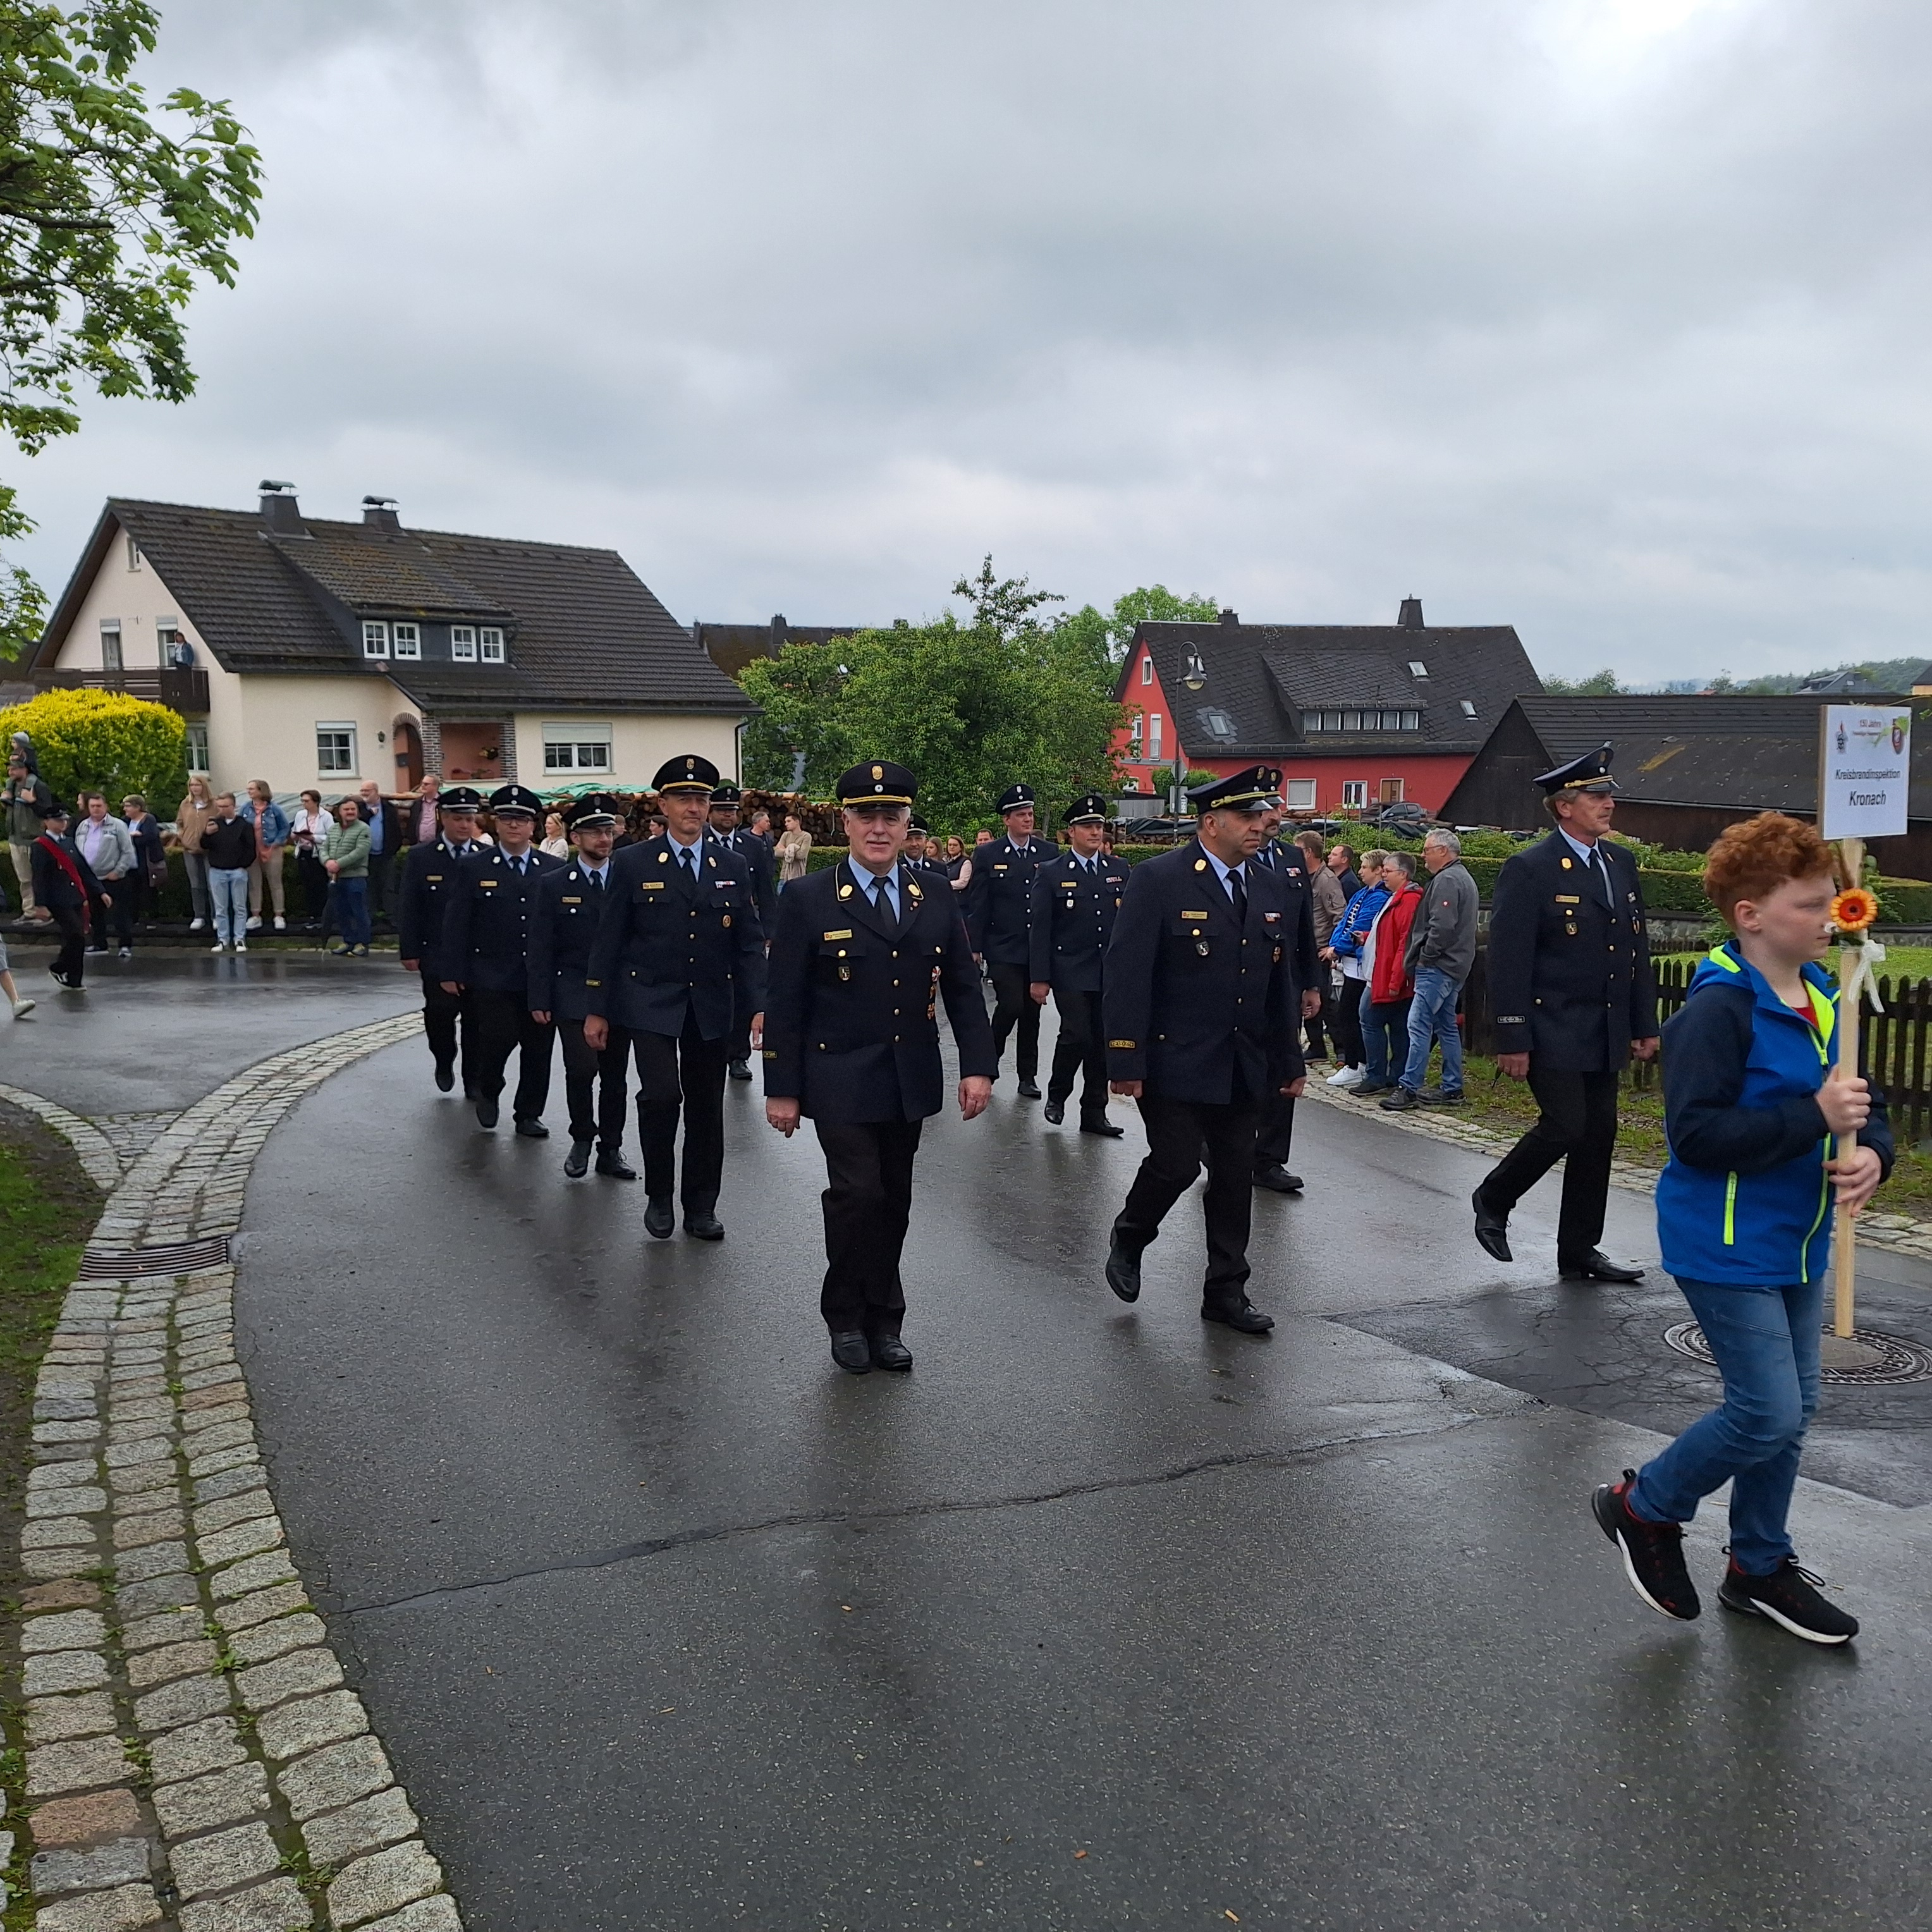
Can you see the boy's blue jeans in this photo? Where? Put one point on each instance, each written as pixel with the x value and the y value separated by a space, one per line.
pixel 1766 1341
pixel 1432 1016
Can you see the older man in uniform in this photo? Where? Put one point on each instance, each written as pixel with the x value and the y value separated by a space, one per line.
pixel 1075 898
pixel 1572 1000
pixel 1203 1019
pixel 571 902
pixel 863 953
pixel 486 933
pixel 429 884
pixel 680 966
pixel 999 916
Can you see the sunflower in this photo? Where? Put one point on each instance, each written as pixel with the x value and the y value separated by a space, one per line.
pixel 1854 910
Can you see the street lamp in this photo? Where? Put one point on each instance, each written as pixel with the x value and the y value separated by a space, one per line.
pixel 1194 672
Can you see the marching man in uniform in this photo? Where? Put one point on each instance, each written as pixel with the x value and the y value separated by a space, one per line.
pixel 999 914
pixel 1075 898
pixel 429 882
pixel 863 953
pixel 1575 1000
pixel 1204 1023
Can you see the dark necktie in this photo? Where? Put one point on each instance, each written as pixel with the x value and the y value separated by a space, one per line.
pixel 883 904
pixel 1238 893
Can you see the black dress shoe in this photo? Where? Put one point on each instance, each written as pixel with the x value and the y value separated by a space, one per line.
pixel 889 1352
pixel 1277 1179
pixel 739 1069
pixel 658 1219
pixel 469 1090
pixel 704 1225
pixel 1248 1318
pixel 1056 1112
pixel 445 1078
pixel 852 1352
pixel 1123 1269
pixel 533 1130
pixel 486 1111
pixel 610 1162
pixel 1107 1127
pixel 576 1163
pixel 1596 1266
pixel 1029 1087
pixel 1491 1229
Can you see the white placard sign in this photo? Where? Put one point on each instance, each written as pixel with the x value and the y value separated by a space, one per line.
pixel 1864 770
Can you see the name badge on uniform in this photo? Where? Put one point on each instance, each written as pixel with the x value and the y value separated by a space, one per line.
pixel 650 885
pixel 435 878
pixel 1194 915
pixel 1567 899
pixel 488 885
pixel 999 868
pixel 846 933
pixel 571 902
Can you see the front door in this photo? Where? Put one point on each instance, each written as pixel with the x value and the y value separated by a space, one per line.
pixel 409 756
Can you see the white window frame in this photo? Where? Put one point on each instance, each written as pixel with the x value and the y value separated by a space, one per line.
pixel 489 642
pixel 565 742
pixel 197 745
pixel 354 767
pixel 133 553
pixel 110 628
pixel 1468 707
pixel 462 643
pixel 405 640
pixel 1147 669
pixel 1154 737
pixel 375 638
pixel 1299 795
pixel 1355 792
pixel 1416 668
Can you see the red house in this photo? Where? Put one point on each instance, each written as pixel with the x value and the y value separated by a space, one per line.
pixel 1355 715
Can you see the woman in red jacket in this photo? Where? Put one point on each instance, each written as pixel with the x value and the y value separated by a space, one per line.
pixel 1385 1010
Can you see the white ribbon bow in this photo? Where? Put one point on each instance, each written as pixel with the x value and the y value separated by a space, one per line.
pixel 1870 954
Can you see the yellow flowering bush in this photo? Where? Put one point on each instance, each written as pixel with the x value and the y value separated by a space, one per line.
pixel 106 742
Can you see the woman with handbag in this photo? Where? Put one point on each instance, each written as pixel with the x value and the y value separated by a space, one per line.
pixel 150 875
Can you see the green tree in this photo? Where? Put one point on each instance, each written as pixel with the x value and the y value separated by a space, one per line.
pixel 969 707
pixel 1154 604
pixel 107 219
pixel 105 742
pixel 1599 684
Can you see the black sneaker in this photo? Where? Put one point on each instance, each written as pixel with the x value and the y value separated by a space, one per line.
pixel 1653 1552
pixel 1788 1596
pixel 1438 1096
pixel 1400 1102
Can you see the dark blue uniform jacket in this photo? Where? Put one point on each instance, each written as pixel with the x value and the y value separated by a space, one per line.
pixel 1570 972
pixel 570 907
pixel 486 927
pixel 1189 994
pixel 999 900
pixel 757 856
pixel 1073 912
pixel 667 948
pixel 852 1028
pixel 429 884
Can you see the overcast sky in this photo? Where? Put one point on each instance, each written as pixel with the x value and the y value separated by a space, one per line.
pixel 1605 318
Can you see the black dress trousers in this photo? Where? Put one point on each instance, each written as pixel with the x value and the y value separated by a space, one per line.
pixel 867 1200
pixel 1578 1126
pixel 1081 1049
pixel 1177 1131
pixel 71 924
pixel 585 1068
pixel 502 1024
pixel 1014 1006
pixel 686 1073
pixel 449 1026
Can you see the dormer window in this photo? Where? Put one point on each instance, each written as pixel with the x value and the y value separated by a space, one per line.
pixel 406 640
pixel 375 640
pixel 1216 723
pixel 1416 668
pixel 462 643
pixel 491 642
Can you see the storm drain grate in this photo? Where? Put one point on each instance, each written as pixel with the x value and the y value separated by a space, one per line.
pixel 1862 1359
pixel 133 1263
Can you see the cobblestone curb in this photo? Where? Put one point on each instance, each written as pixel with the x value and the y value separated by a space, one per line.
pixel 92 1147
pixel 1895 1234
pixel 194 1760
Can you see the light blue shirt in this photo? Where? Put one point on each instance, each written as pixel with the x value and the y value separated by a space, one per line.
pixel 1588 854
pixel 1224 873
pixel 597 872
pixel 679 851
pixel 869 885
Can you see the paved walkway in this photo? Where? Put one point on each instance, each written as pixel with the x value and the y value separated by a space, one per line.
pixel 1099 1618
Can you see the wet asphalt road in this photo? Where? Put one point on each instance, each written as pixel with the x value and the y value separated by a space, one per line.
pixel 669 1624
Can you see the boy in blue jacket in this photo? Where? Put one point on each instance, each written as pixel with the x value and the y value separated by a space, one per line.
pixel 1762 1141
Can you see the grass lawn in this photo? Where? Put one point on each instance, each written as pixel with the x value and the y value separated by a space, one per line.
pixel 1900 962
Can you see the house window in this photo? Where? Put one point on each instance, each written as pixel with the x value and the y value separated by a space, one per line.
pixel 197 747
pixel 462 643
pixel 576 747
pixel 1154 734
pixel 1352 721
pixel 1217 724
pixel 1331 721
pixel 110 643
pixel 492 640
pixel 1301 795
pixel 1147 670
pixel 335 751
pixel 133 554
pixel 1411 721
pixel 1134 736
pixel 1390 792
pixel 1416 668
pixel 408 638
pixel 1469 708
pixel 1354 791
pixel 1130 785
pixel 375 644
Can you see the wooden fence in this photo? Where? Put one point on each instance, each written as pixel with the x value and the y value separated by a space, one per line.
pixel 1895 1040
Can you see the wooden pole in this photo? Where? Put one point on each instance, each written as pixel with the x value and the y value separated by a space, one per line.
pixel 1845 1256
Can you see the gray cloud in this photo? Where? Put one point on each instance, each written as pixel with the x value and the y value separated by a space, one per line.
pixel 1603 317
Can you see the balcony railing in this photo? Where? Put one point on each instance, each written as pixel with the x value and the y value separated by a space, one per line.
pixel 183 691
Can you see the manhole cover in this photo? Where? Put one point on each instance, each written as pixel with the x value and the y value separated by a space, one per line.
pixel 1860 1358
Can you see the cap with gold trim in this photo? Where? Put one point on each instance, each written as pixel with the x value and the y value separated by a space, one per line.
pixel 687 772
pixel 1089 809
pixel 1257 789
pixel 1590 772
pixel 516 798
pixel 878 781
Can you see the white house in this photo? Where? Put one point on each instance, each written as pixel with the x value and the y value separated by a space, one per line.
pixel 309 652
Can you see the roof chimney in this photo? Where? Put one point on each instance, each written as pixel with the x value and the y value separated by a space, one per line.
pixel 379 513
pixel 1409 617
pixel 1231 616
pixel 280 511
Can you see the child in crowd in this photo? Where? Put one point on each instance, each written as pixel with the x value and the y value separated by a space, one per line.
pixel 1764 1135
